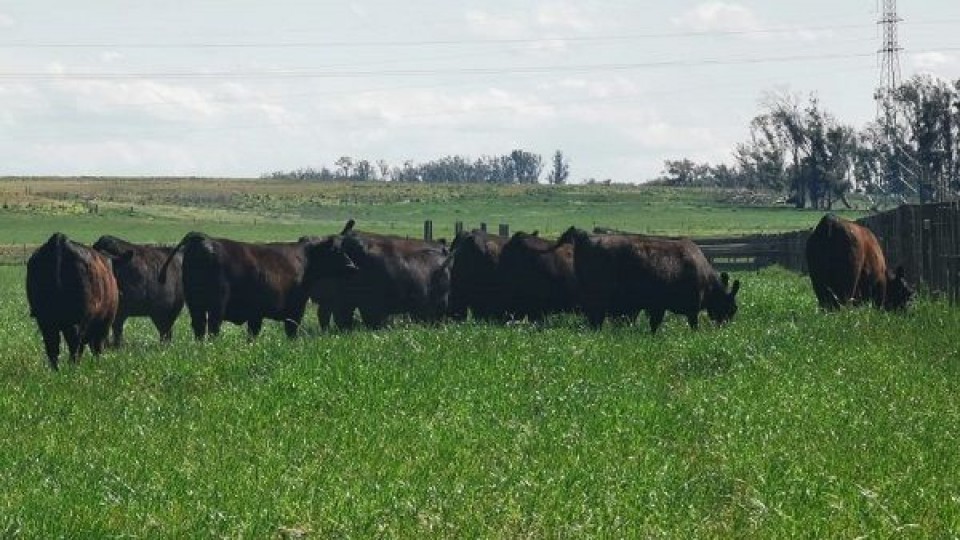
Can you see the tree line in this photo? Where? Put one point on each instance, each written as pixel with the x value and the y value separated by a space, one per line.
pixel 517 167
pixel 798 148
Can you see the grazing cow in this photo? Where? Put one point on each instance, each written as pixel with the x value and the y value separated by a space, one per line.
pixel 538 277
pixel 380 276
pixel 71 291
pixel 241 282
pixel 474 281
pixel 135 266
pixel 846 265
pixel 621 274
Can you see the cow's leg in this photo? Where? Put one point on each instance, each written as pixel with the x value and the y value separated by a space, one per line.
pixel 324 314
pixel 254 326
pixel 693 319
pixel 344 318
pixel 118 330
pixel 595 319
pixel 198 321
pixel 164 324
pixel 97 336
pixel 74 343
pixel 291 327
pixel 656 319
pixel 215 319
pixel 373 317
pixel 51 343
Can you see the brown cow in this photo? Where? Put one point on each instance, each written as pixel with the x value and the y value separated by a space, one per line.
pixel 846 266
pixel 71 291
pixel 136 266
pixel 538 277
pixel 475 284
pixel 378 275
pixel 622 274
pixel 241 282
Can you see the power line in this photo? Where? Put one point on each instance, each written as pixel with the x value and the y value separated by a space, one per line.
pixel 179 131
pixel 425 43
pixel 312 73
pixel 438 42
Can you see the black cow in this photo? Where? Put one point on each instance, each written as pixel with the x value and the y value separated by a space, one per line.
pixel 622 274
pixel 379 275
pixel 846 265
pixel 241 282
pixel 475 283
pixel 538 277
pixel 136 266
pixel 71 291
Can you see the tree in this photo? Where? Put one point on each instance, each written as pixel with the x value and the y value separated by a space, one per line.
pixel 526 166
pixel 363 170
pixel 344 166
pixel 561 170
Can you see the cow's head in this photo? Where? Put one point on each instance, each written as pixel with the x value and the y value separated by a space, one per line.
pixel 327 258
pixel 721 304
pixel 899 292
pixel 572 236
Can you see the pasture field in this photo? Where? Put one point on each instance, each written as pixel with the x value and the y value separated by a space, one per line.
pixel 788 422
pixel 163 210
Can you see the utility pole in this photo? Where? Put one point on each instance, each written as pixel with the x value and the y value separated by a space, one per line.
pixel 889 83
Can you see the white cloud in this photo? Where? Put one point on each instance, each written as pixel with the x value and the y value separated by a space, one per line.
pixel 139 157
pixel 547 21
pixel 562 16
pixel 109 57
pixel 932 61
pixel 732 17
pixel 432 108
pixel 661 135
pixel 719 16
pixel 595 88
pixel 359 10
pixel 6 21
pixel 492 26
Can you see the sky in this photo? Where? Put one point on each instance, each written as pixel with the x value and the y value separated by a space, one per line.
pixel 246 87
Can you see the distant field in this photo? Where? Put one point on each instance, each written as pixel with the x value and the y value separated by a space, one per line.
pixel 163 210
pixel 786 423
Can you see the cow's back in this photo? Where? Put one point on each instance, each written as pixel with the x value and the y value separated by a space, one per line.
pixel 68 283
pixel 538 276
pixel 844 261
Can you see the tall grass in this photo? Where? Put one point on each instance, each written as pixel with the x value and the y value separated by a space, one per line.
pixel 786 422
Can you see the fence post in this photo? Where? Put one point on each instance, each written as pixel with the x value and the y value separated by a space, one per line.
pixel 504 230
pixel 483 227
pixel 428 230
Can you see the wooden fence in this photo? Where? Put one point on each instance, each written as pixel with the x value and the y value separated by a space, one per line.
pixel 924 239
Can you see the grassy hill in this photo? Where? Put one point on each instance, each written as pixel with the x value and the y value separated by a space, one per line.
pixel 163 210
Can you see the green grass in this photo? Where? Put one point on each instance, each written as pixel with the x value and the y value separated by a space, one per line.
pixel 163 210
pixel 788 422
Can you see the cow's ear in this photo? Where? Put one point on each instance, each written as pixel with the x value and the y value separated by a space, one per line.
pixel 535 233
pixel 735 289
pixel 349 226
pixel 725 279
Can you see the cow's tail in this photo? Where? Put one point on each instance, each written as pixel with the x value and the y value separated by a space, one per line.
pixel 162 277
pixel 59 244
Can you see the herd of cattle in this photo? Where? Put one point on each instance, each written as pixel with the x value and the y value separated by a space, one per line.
pixel 83 292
